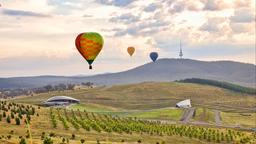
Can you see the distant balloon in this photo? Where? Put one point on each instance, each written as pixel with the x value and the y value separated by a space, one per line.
pixel 153 56
pixel 89 45
pixel 130 50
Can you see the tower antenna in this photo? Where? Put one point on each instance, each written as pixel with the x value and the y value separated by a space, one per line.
pixel 180 54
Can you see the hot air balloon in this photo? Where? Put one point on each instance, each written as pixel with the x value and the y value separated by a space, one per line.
pixel 89 45
pixel 153 56
pixel 130 50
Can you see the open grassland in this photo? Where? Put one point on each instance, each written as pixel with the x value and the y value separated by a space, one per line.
pixel 204 115
pixel 161 114
pixel 62 125
pixel 239 119
pixel 151 95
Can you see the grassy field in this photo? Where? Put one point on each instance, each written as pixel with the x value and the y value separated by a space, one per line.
pixel 146 96
pixel 204 115
pixel 145 101
pixel 239 119
pixel 161 114
pixel 43 124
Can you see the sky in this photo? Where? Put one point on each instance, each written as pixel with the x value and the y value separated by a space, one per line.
pixel 37 37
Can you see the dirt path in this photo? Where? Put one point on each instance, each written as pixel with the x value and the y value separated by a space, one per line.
pixel 217 117
pixel 187 115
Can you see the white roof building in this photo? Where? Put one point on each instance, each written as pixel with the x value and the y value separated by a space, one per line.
pixel 60 100
pixel 184 104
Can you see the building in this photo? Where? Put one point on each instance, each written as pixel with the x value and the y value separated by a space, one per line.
pixel 60 100
pixel 184 104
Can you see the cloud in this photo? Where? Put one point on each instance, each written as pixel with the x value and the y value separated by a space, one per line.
pixel 119 3
pixel 152 7
pixel 241 27
pixel 11 12
pixel 243 15
pixel 87 15
pixel 214 24
pixel 125 18
pixel 148 27
pixel 215 5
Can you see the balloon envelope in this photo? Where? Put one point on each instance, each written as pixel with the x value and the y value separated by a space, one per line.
pixel 153 56
pixel 89 45
pixel 130 50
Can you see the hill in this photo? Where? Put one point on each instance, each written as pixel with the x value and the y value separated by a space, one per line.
pixel 151 95
pixel 226 85
pixel 163 70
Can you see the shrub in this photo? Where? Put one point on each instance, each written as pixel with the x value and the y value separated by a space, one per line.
pixel 17 120
pixel 63 140
pixel 9 136
pixel 12 115
pixel 4 114
pixel 22 141
pixel 52 134
pixel 8 119
pixel 48 140
pixel 73 136
pixel 82 141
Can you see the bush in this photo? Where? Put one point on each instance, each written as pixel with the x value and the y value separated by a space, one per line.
pixel 17 120
pixel 52 134
pixel 9 136
pixel 48 140
pixel 73 136
pixel 12 115
pixel 82 141
pixel 8 119
pixel 22 141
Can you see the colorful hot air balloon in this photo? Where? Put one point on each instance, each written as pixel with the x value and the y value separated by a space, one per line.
pixel 153 56
pixel 130 50
pixel 89 45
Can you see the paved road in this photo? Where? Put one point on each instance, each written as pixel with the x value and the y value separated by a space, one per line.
pixel 217 117
pixel 187 115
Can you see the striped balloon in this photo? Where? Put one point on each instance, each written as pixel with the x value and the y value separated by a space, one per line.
pixel 89 45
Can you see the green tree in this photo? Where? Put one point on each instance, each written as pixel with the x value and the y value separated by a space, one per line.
pixel 22 141
pixel 48 140
pixel 17 120
pixel 82 141
pixel 8 119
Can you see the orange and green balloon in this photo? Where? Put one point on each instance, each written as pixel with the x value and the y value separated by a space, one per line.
pixel 130 50
pixel 89 45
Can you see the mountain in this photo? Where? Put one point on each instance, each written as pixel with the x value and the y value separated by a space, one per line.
pixel 162 70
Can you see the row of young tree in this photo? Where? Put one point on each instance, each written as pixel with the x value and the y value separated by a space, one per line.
pixel 114 124
pixel 5 93
pixel 16 113
pixel 226 85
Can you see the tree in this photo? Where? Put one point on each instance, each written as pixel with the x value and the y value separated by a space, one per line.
pixel 17 120
pixel 71 86
pixel 12 115
pixel 48 87
pixel 8 119
pixel 82 141
pixel 23 141
pixel 48 140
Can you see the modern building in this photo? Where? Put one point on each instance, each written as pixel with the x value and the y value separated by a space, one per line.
pixel 60 100
pixel 184 104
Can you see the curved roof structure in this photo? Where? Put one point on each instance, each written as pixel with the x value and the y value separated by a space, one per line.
pixel 184 103
pixel 58 98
